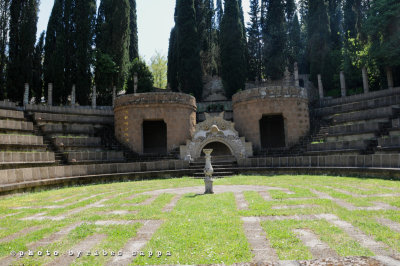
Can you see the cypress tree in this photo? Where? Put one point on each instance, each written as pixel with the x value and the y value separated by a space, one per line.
pixel 85 17
pixel 4 26
pixel 23 20
pixel 54 59
pixel 254 42
pixel 172 74
pixel 275 40
pixel 319 35
pixel 233 45
pixel 133 46
pixel 189 68
pixel 37 79
pixel 112 42
pixel 219 14
pixel 294 42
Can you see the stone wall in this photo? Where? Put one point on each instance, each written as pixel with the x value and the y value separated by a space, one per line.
pixel 178 111
pixel 249 106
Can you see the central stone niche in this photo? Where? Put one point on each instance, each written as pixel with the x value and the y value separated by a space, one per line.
pixel 155 123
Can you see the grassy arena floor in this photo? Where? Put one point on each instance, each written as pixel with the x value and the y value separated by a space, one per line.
pixel 199 229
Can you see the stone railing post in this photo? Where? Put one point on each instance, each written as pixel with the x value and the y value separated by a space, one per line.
pixel 320 87
pixel 94 97
pixel 342 84
pixel 26 94
pixel 73 95
pixel 135 83
pixel 50 94
pixel 114 95
pixel 365 79
pixel 296 75
pixel 389 74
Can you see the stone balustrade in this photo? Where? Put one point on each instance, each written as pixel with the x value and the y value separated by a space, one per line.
pixel 270 92
pixel 68 129
pixel 339 145
pixel 8 105
pixel 77 142
pixel 355 128
pixel 26 157
pixel 21 140
pixel 16 125
pixel 389 142
pixel 98 156
pixel 64 118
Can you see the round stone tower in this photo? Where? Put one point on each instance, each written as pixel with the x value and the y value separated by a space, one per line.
pixel 272 117
pixel 155 123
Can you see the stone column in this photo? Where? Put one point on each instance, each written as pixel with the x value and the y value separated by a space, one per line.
pixel 342 84
pixel 320 87
pixel 26 94
pixel 389 75
pixel 365 79
pixel 73 95
pixel 94 97
pixel 50 94
pixel 296 75
pixel 114 95
pixel 135 83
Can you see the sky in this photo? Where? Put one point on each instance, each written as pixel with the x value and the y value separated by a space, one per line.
pixel 155 21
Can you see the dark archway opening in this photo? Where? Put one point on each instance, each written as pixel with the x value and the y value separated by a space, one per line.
pixel 154 137
pixel 272 131
pixel 219 149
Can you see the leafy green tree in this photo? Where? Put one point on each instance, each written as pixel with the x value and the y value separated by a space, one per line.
pixel 133 46
pixel 4 27
pixel 158 67
pixel 172 74
pixel 23 20
pixel 274 61
pixel 188 49
pixel 37 79
pixel 145 77
pixel 112 39
pixel 233 49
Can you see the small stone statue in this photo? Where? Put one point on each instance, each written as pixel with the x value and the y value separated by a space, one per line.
pixel 208 172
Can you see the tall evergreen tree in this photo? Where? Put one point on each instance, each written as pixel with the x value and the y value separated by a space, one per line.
pixel 85 18
pixel 274 60
pixel 233 49
pixel 254 42
pixel 112 41
pixel 133 46
pixel 54 59
pixel 319 35
pixel 4 26
pixel 189 67
pixel 219 14
pixel 294 42
pixel 23 20
pixel 37 79
pixel 172 73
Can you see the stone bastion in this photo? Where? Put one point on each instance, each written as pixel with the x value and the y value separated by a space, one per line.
pixel 254 106
pixel 152 123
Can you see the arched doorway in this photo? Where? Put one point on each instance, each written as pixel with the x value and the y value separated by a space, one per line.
pixel 272 131
pixel 219 149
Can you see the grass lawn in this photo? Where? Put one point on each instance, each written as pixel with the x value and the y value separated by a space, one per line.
pixel 200 229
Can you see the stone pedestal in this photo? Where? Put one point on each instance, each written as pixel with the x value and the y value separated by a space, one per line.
pixel 73 95
pixel 50 94
pixel 320 87
pixel 342 84
pixel 365 79
pixel 94 94
pixel 26 94
pixel 296 75
pixel 208 171
pixel 389 75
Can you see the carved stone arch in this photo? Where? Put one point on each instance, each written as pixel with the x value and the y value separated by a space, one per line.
pixel 205 143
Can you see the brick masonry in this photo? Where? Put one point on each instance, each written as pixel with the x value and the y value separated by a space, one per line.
pixel 249 106
pixel 177 110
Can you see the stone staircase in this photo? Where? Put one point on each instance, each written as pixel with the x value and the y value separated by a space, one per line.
pixel 222 165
